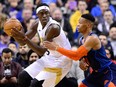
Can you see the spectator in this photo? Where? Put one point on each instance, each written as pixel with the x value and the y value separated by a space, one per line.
pixel 103 6
pixel 91 4
pixel 52 6
pixel 74 19
pixel 32 56
pixel 100 8
pixel 13 46
pixel 105 25
pixel 76 73
pixel 28 4
pixel 71 4
pixel 112 37
pixel 57 15
pixel 37 2
pixel 26 18
pixel 13 8
pixel 22 56
pixel 113 2
pixel 109 54
pixel 59 2
pixel 3 18
pixel 4 41
pixel 9 70
pixel 105 42
pixel 1 7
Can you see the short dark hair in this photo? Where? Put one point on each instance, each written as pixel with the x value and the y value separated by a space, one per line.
pixel 42 4
pixel 7 50
pixel 102 34
pixel 82 1
pixel 108 10
pixel 29 53
pixel 113 25
pixel 12 42
pixel 88 17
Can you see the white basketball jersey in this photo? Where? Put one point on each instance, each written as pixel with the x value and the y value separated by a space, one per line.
pixel 52 56
pixel 54 66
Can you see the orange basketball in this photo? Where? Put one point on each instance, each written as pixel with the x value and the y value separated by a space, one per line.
pixel 10 24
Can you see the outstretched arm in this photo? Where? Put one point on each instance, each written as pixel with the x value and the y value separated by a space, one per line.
pixel 75 55
pixel 90 43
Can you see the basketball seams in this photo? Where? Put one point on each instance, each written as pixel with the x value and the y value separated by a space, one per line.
pixel 10 23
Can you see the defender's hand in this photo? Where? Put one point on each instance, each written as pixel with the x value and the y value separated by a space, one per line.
pixel 50 45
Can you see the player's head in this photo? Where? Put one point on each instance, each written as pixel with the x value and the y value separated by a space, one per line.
pixel 43 12
pixel 85 23
pixel 88 17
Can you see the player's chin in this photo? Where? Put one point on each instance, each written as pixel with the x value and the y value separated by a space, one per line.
pixel 45 21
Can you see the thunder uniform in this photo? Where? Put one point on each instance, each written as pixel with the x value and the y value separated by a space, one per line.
pixel 52 66
pixel 103 68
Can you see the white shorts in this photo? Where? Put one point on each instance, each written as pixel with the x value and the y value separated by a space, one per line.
pixel 49 70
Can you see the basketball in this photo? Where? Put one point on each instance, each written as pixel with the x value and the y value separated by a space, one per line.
pixel 10 24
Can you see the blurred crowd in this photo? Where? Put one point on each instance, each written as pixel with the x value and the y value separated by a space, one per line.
pixel 15 57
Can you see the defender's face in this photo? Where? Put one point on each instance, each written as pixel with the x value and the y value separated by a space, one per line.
pixel 43 16
pixel 82 25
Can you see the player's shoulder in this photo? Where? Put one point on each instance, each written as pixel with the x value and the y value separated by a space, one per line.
pixel 53 25
pixel 93 38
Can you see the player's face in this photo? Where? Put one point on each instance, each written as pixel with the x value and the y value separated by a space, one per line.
pixel 82 27
pixel 43 15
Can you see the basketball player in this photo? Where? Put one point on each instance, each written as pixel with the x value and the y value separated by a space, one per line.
pixel 104 71
pixel 53 66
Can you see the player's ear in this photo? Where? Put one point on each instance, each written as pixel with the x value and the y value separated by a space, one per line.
pixel 88 25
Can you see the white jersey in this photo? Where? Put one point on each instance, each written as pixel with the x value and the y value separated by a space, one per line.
pixel 52 66
pixel 61 40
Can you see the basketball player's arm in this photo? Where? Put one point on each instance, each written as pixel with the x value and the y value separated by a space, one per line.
pixel 33 30
pixel 90 43
pixel 26 39
pixel 30 33
pixel 52 32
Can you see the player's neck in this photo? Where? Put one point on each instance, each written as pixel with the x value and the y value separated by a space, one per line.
pixel 43 25
pixel 85 35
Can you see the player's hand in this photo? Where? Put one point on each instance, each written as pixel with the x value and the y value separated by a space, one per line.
pixel 17 34
pixel 50 45
pixel 83 65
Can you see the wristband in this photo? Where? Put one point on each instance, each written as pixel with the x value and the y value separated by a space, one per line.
pixel 56 48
